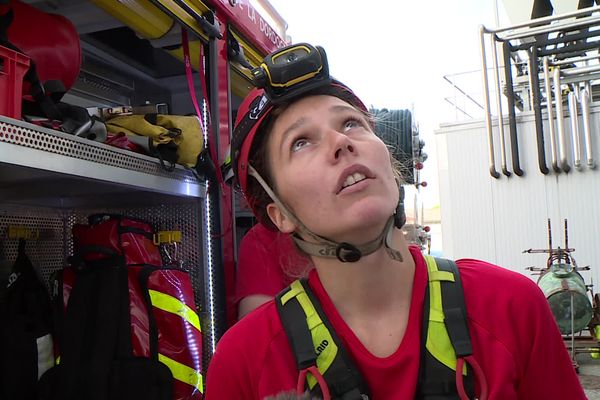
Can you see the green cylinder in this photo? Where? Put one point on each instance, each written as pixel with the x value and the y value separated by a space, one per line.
pixel 562 287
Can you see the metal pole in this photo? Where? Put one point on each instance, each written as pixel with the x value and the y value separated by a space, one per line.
pixel 572 100
pixel 543 20
pixel 562 148
pixel 587 132
pixel 550 109
pixel 512 119
pixel 504 165
pixel 486 103
pixel 537 109
pixel 560 26
pixel 572 329
pixel 581 70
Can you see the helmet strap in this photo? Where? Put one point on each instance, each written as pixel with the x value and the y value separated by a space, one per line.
pixel 400 215
pixel 345 252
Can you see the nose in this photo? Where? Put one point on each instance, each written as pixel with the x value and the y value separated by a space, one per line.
pixel 341 145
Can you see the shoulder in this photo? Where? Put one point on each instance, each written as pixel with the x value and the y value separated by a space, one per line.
pixel 244 351
pixel 487 279
pixel 253 333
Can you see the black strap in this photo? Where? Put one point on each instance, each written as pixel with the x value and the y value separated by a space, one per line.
pixel 152 327
pixel 342 377
pixel 90 335
pixel 436 381
pixel 455 310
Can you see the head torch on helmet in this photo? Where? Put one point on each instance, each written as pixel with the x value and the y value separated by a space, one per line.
pixel 292 70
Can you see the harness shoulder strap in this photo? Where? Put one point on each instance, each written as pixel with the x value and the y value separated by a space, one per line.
pixel 315 343
pixel 445 332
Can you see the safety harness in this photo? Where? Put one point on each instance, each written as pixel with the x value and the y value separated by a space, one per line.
pixel 327 370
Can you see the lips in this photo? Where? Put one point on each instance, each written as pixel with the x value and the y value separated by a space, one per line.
pixel 351 175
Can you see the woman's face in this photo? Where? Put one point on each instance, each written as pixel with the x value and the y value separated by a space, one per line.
pixel 331 170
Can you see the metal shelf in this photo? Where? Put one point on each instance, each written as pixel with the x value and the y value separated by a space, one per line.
pixel 43 166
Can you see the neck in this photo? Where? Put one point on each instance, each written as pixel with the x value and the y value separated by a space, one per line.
pixel 371 285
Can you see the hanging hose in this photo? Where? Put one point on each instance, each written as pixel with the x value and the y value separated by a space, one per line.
pixel 395 128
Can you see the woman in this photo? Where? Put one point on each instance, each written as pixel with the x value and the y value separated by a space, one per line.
pixel 309 164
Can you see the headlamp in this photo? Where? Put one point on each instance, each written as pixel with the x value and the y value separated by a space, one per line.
pixel 291 71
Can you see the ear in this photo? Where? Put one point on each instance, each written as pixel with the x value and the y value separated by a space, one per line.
pixel 281 221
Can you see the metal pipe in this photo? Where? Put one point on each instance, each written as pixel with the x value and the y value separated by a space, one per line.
pixel 550 18
pixel 562 148
pixel 571 61
pixel 537 109
pixel 462 92
pixel 544 42
pixel 572 101
pixel 575 49
pixel 550 109
pixel 486 103
pixel 560 26
pixel 587 132
pixel 512 120
pixel 582 70
pixel 504 165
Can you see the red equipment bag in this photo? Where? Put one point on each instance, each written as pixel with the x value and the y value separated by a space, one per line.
pixel 158 320
pixel 56 52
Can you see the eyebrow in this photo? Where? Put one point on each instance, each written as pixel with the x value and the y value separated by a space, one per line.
pixel 297 124
pixel 342 107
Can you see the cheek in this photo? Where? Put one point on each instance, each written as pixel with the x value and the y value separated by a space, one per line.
pixel 302 189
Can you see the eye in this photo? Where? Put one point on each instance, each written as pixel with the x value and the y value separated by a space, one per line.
pixel 351 123
pixel 299 144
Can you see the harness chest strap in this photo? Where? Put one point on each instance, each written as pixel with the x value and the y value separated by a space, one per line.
pixel 315 343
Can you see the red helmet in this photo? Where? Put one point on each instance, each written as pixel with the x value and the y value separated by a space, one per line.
pixel 256 107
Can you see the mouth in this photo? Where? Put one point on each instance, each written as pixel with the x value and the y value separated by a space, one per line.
pixel 353 175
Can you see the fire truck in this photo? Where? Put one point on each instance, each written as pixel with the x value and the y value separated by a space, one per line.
pixel 100 60
pixel 127 56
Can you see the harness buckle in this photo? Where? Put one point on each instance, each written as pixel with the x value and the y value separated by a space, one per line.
pixel 346 252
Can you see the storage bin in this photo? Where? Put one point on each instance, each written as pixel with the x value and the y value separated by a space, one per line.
pixel 13 66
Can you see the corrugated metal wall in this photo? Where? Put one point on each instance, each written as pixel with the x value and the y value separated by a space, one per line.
pixel 496 219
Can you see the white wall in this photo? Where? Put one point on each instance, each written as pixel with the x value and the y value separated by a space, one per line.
pixel 496 219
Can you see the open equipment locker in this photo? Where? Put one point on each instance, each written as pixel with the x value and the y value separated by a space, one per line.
pixel 50 181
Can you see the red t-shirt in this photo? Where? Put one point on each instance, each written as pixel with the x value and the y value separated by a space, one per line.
pixel 515 340
pixel 268 261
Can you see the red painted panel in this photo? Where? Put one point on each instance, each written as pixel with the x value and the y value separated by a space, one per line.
pixel 251 24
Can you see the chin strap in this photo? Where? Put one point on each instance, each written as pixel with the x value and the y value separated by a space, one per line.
pixel 400 216
pixel 345 252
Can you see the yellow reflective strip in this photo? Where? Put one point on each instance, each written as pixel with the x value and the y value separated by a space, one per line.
pixel 322 339
pixel 438 342
pixel 435 290
pixel 441 276
pixel 172 305
pixel 295 289
pixel 182 372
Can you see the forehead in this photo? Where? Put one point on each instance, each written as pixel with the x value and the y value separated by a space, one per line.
pixel 307 108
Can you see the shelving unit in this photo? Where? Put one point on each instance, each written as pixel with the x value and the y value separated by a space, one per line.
pixel 50 181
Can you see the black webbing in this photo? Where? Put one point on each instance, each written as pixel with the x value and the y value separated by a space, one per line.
pixel 342 376
pixel 455 311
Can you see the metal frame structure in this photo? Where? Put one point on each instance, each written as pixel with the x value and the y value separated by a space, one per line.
pixel 560 43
